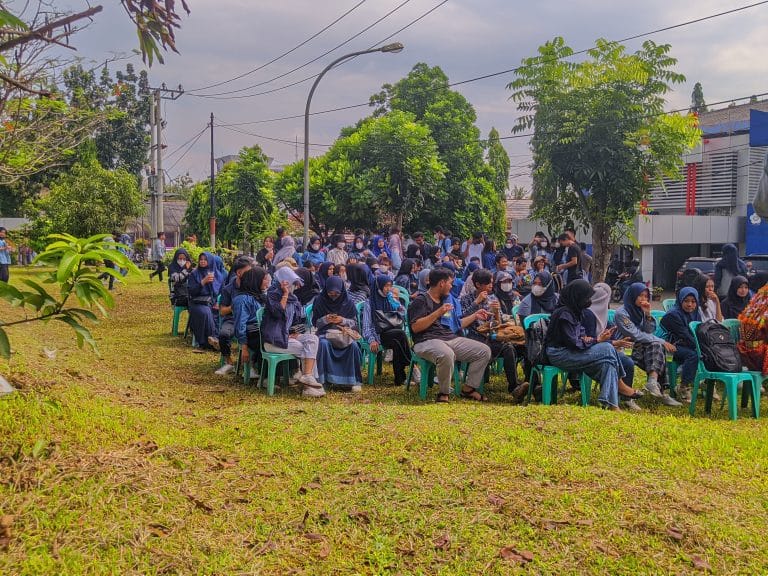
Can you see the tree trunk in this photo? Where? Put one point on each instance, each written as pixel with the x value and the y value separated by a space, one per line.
pixel 601 250
pixel 399 221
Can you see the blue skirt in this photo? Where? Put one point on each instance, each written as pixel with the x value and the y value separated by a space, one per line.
pixel 202 323
pixel 341 367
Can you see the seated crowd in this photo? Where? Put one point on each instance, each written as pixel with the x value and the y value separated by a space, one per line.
pixel 331 306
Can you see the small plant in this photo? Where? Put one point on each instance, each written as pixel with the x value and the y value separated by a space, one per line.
pixel 75 263
pixel 658 292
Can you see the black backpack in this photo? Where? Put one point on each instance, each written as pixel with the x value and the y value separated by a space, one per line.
pixel 718 350
pixel 535 341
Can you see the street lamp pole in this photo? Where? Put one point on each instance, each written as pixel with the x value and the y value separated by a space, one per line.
pixel 394 48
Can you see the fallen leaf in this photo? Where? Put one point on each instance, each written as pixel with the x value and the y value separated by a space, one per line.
pixel 514 555
pixel 324 551
pixel 310 486
pixel 360 516
pixel 6 521
pixel 601 548
pixel 497 501
pixel 158 530
pixel 443 542
pixel 199 503
pixel 314 537
pixel 675 533
pixel 585 522
pixel 700 563
pixel 145 446
pixel 268 546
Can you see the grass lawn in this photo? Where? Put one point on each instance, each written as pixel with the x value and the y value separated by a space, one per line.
pixel 142 461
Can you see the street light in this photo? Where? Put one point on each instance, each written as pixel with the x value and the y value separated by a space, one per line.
pixel 393 48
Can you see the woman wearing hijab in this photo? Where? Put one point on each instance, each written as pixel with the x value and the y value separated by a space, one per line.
pixel 283 329
pixel 542 299
pixel 266 256
pixel 384 303
pixel 313 255
pixel 178 271
pixel 287 250
pixel 332 309
pixel 309 289
pixel 489 255
pixel 359 251
pixel 569 347
pixel 738 297
pixel 727 268
pixel 596 322
pixel 249 299
pixel 406 278
pixel 709 301
pixel 379 247
pixel 675 323
pixel 326 270
pixel 634 322
pixel 503 289
pixel 423 282
pixel 204 285
pixel 471 267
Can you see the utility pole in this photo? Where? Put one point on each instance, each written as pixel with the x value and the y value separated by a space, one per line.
pixel 156 176
pixel 212 221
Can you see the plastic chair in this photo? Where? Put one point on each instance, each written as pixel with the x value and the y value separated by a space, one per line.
pixel 668 304
pixel 734 326
pixel 270 362
pixel 177 310
pixel 308 313
pixel 547 374
pixel 611 316
pixel 427 370
pixel 368 355
pixel 731 381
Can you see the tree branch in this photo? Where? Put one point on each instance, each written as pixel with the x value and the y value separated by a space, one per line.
pixel 23 87
pixel 40 33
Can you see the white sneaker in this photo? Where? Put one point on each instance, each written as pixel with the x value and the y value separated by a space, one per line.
pixel 667 400
pixel 294 377
pixel 715 395
pixel 632 406
pixel 684 394
pixel 388 356
pixel 312 387
pixel 357 388
pixel 416 376
pixel 312 392
pixel 653 389
pixel 224 370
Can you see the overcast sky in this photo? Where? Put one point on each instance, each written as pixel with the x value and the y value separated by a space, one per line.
pixel 221 39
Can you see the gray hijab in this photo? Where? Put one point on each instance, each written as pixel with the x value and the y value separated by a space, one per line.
pixel 601 301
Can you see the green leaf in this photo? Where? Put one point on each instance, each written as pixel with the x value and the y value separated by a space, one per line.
pixel 8 20
pixel 5 345
pixel 68 262
pixel 39 448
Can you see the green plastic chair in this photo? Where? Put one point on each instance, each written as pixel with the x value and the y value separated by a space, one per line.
pixel 734 326
pixel 427 370
pixel 515 310
pixel 177 310
pixel 668 304
pixel 548 375
pixel 731 381
pixel 611 316
pixel 368 355
pixel 308 312
pixel 269 363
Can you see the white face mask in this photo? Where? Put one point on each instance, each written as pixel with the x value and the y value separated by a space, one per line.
pixel 291 288
pixel 544 244
pixel 383 269
pixel 181 263
pixel 315 246
pixel 538 290
pixel 506 286
pixel 508 244
pixel 358 245
pixel 340 245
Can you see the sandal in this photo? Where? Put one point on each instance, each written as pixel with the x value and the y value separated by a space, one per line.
pixel 443 398
pixel 473 394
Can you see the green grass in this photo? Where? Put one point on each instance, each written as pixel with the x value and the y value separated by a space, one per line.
pixel 144 462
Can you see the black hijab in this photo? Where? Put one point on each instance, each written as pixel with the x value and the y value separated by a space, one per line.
pixel 307 292
pixel 406 267
pixel 173 267
pixel 733 305
pixel 251 281
pixel 577 296
pixel 343 305
pixel 357 274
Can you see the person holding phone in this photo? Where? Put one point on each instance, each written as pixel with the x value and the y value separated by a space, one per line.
pixel 437 343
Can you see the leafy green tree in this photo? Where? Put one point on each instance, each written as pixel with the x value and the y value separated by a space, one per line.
pixel 246 207
pixel 601 137
pixel 698 105
pixel 76 268
pixel 88 200
pixel 425 93
pixel 498 161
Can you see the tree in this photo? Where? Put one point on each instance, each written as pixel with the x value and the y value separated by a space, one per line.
pixel 697 99
pixel 246 207
pixel 75 263
pixel 88 200
pixel 471 202
pixel 518 193
pixel 498 160
pixel 601 137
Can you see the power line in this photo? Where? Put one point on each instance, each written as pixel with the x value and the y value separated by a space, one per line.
pixel 281 140
pixel 192 145
pixel 175 150
pixel 284 74
pixel 284 54
pixel 494 74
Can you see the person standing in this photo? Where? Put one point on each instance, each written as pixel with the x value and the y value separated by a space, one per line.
pixel 5 256
pixel 571 266
pixel 158 254
pixel 396 248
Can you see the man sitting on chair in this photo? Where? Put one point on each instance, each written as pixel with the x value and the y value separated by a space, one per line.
pixel 437 343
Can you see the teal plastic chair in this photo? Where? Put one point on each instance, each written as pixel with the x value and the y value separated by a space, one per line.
pixel 308 312
pixel 515 310
pixel 734 326
pixel 369 358
pixel 269 363
pixel 427 370
pixel 611 316
pixel 548 375
pixel 177 310
pixel 668 304
pixel 731 381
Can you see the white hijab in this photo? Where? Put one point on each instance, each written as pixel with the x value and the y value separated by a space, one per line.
pixel 287 249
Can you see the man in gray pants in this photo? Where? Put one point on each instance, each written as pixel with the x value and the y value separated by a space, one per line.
pixel 429 316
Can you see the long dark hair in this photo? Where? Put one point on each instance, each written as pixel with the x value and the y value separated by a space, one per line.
pixel 251 281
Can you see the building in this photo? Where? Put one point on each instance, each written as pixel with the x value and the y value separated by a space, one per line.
pixel 710 205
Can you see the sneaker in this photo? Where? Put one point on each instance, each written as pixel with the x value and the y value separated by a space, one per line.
pixel 715 395
pixel 312 392
pixel 667 400
pixel 224 370
pixel 632 406
pixel 416 376
pixel 652 387
pixel 294 377
pixel 213 342
pixel 356 388
pixel 519 393
pixel 684 393
pixel 388 356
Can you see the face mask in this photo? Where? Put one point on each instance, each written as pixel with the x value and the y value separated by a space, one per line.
pixel 506 286
pixel 544 244
pixel 358 245
pixel 340 245
pixel 383 269
pixel 508 244
pixel 538 290
pixel 181 263
pixel 315 246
